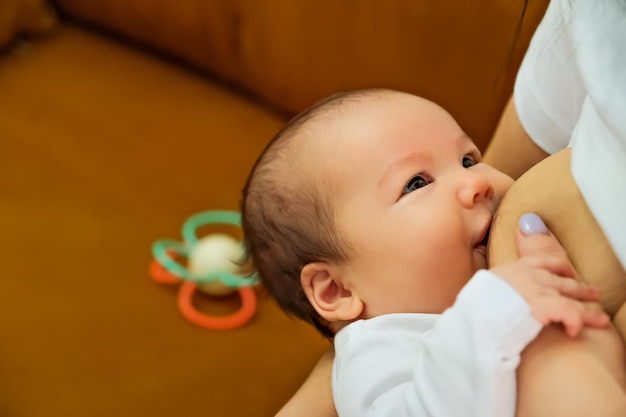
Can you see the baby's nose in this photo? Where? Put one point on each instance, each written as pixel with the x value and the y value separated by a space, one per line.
pixel 474 188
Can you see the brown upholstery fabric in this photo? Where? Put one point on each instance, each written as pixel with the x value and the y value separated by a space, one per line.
pixel 461 54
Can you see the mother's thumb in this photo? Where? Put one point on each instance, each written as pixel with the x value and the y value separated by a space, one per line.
pixel 534 239
pixel 530 224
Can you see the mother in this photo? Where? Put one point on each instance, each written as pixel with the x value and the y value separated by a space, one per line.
pixel 570 91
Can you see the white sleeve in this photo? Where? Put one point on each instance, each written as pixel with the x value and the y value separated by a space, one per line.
pixel 549 91
pixel 465 365
pixel 571 91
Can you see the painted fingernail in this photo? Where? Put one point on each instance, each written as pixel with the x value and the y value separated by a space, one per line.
pixel 531 224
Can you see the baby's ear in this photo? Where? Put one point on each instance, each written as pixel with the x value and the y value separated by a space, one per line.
pixel 323 287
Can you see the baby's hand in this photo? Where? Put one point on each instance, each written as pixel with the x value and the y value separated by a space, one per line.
pixel 543 275
pixel 553 298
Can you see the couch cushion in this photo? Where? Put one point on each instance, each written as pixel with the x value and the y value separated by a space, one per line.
pixel 462 55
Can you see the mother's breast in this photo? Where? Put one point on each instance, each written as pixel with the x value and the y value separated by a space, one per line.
pixel 549 190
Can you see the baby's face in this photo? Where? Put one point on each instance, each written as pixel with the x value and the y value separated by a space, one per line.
pixel 415 203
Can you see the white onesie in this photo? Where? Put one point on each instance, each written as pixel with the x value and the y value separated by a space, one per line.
pixel 460 363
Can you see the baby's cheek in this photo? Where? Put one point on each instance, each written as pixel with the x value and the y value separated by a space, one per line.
pixel 500 182
pixel 505 183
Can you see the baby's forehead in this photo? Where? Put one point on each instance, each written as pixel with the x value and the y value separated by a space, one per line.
pixel 324 142
pixel 340 118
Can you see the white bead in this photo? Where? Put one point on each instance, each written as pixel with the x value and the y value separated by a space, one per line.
pixel 215 252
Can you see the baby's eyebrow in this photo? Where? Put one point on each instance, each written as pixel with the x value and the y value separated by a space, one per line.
pixel 414 158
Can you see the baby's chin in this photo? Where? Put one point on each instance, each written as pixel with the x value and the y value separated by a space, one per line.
pixel 480 255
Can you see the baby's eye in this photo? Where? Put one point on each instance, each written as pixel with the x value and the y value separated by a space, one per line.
pixel 469 161
pixel 415 183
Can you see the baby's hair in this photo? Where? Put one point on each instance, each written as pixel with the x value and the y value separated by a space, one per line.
pixel 289 222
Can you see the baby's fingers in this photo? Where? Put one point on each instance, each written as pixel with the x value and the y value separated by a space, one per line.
pixel 586 316
pixel 573 315
pixel 570 287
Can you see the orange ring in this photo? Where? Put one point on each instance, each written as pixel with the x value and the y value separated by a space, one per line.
pixel 232 321
pixel 162 275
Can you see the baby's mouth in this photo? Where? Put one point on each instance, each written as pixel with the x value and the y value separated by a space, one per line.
pixel 482 244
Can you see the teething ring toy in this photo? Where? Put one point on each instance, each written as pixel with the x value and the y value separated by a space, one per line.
pixel 239 318
pixel 162 275
pixel 210 266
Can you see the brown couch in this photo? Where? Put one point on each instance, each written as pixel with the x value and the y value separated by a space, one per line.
pixel 136 114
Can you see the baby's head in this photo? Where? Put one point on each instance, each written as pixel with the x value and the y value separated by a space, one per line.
pixel 370 202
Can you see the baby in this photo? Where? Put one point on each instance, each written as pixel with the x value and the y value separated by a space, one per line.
pixel 367 216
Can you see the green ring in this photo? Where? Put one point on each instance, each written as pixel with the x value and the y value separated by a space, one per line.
pixel 161 247
pixel 208 217
pixel 159 251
